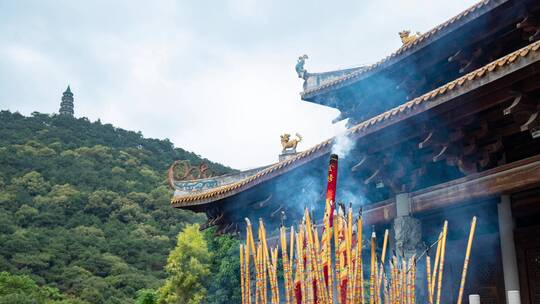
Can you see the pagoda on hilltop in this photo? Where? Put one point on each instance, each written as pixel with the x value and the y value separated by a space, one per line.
pixel 66 106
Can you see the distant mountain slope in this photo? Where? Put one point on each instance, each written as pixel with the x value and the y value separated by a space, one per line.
pixel 84 207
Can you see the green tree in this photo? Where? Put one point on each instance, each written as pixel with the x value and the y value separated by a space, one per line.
pixel 225 282
pixel 84 207
pixel 146 296
pixel 188 266
pixel 32 182
pixel 22 289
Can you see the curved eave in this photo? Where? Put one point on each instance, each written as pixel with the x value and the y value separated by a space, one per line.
pixel 507 64
pixel 422 41
pixel 266 174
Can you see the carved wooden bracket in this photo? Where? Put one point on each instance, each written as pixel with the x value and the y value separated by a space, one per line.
pixel 372 177
pixel 467 59
pixel 522 103
pixel 533 123
pixel 262 203
pixel 442 153
pixel 530 25
pixel 360 164
pixel 427 140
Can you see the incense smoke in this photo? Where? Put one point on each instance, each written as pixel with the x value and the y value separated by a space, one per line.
pixel 343 144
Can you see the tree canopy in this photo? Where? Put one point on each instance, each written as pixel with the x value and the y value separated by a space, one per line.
pixel 85 211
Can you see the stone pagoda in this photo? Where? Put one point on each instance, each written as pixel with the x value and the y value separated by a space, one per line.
pixel 66 106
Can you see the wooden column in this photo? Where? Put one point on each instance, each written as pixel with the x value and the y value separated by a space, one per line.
pixel 508 249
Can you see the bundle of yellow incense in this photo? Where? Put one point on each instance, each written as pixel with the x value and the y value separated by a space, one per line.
pixel 299 282
pixel 286 269
pixel 269 266
pixel 313 267
pixel 316 261
pixel 466 262
pixel 441 263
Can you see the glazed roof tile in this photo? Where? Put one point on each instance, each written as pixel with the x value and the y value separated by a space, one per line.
pixel 325 146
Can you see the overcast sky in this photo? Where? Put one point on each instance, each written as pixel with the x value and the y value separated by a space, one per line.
pixel 215 77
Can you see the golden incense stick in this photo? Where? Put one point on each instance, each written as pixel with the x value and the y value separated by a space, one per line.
pixel 285 259
pixel 383 256
pixel 441 263
pixel 436 266
pixel 299 288
pixel 428 275
pixel 358 273
pixel 258 275
pixel 372 270
pixel 466 262
pixel 248 273
pixel 242 274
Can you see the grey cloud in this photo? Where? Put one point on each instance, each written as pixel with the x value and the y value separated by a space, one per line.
pixel 216 77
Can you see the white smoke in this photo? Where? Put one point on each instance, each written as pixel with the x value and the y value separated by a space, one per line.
pixel 342 145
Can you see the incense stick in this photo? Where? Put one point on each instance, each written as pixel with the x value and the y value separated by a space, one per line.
pixel 466 262
pixel 441 263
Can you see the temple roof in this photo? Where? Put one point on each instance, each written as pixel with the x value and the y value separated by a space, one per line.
pixel 410 108
pixel 422 41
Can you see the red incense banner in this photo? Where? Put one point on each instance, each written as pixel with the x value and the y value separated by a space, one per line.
pixel 331 188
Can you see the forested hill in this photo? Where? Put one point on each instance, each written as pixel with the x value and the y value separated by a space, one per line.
pixel 84 209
